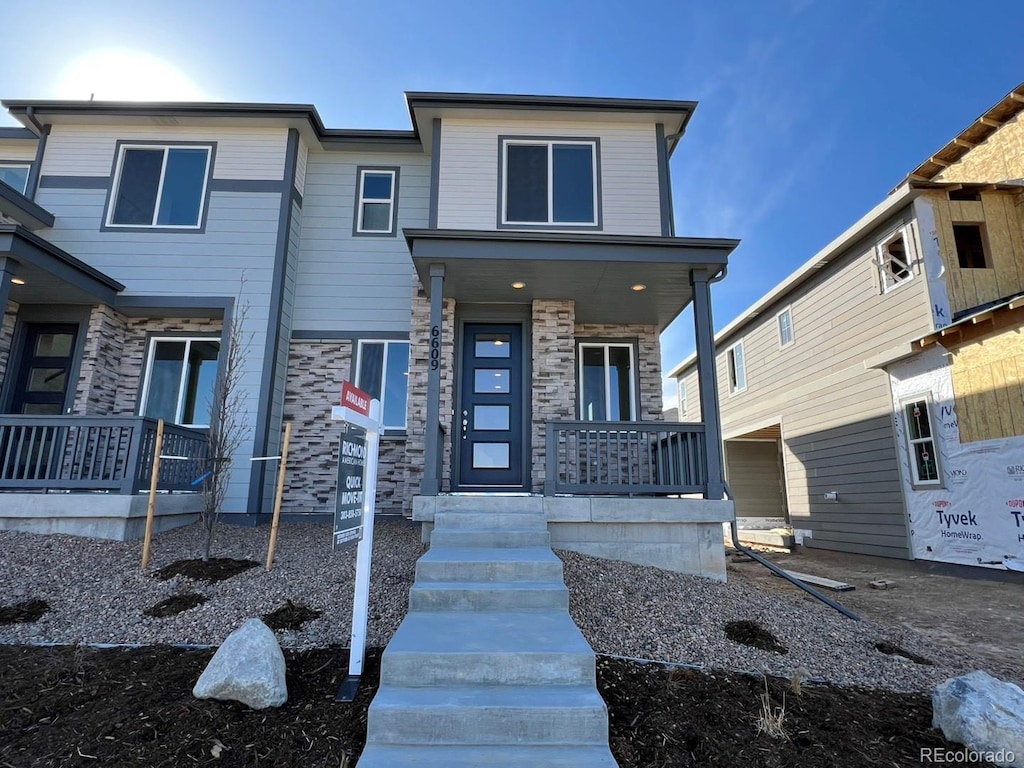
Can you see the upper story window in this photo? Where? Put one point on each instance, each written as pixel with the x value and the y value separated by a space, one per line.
pixel 160 186
pixel 15 175
pixel 737 368
pixel 892 256
pixel 549 182
pixel 924 460
pixel 382 370
pixel 376 201
pixel 181 377
pixel 970 246
pixel 785 320
pixel 607 382
pixel 683 404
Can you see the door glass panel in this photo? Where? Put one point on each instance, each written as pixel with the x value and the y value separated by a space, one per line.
pixel 46 380
pixel 490 455
pixel 491 381
pixel 491 417
pixel 42 409
pixel 54 344
pixel 493 345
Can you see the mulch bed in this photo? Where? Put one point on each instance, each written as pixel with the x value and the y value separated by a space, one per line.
pixel 87 707
pixel 214 569
pixel 175 605
pixel 290 616
pixel 25 612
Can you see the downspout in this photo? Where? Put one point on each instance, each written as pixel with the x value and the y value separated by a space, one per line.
pixel 734 532
pixel 30 113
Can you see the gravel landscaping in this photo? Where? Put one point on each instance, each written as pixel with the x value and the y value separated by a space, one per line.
pixel 97 593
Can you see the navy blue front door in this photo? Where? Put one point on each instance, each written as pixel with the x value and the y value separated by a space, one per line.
pixel 489 426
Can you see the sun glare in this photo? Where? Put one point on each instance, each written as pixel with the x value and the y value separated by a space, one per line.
pixel 124 75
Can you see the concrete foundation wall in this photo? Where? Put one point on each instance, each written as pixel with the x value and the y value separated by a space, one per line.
pixel 97 516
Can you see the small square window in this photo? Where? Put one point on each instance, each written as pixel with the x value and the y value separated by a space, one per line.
pixel 375 204
pixel 15 176
pixel 893 260
pixel 160 187
pixel 970 246
pixel 737 369
pixel 785 318
pixel 549 182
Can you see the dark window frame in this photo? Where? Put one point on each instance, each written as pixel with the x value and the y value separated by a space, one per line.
pixel 357 210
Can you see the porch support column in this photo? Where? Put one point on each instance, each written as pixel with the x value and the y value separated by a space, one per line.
pixel 432 442
pixel 707 380
pixel 8 269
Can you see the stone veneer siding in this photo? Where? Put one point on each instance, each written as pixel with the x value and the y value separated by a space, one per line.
pixel 10 318
pixel 99 374
pixel 419 358
pixel 554 375
pixel 315 372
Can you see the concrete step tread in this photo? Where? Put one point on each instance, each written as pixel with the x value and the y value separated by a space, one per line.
pixel 489 697
pixel 499 632
pixel 489 586
pixel 452 554
pixel 489 538
pixel 505 756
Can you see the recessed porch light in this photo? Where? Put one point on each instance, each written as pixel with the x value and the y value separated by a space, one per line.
pixel 518 285
pixel 638 287
pixel 17 281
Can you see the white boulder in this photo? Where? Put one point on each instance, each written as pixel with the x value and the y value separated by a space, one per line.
pixel 984 714
pixel 248 667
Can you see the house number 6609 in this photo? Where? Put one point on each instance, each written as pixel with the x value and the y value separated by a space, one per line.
pixel 435 347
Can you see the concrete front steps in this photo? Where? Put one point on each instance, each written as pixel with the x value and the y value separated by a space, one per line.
pixel 488 668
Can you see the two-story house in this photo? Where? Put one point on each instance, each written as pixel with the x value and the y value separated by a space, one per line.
pixel 874 400
pixel 498 276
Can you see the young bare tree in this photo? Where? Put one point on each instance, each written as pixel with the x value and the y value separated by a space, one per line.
pixel 228 426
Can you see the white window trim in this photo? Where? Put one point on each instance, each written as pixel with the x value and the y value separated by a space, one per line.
pixel 384 378
pixel 26 166
pixel 549 143
pixel 160 186
pixel 778 322
pixel 915 481
pixel 879 259
pixel 682 397
pixel 363 199
pixel 151 352
pixel 730 364
pixel 608 378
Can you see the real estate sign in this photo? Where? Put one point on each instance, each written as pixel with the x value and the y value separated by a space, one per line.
pixel 348 510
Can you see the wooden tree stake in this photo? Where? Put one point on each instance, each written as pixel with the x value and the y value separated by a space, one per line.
pixel 158 447
pixel 280 494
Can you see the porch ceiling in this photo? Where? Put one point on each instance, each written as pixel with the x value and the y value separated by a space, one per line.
pixel 49 274
pixel 595 271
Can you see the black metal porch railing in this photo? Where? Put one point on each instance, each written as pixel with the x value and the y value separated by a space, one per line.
pixel 96 453
pixel 625 458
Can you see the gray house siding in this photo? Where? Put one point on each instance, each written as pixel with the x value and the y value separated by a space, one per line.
pixel 756 480
pixel 834 411
pixel 352 283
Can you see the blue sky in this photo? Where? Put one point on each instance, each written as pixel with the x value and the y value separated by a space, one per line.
pixel 810 110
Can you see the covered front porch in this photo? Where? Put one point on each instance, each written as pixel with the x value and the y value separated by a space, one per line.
pixel 536 376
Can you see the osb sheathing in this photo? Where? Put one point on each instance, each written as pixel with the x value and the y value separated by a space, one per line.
pixel 988 378
pixel 1002 214
pixel 998 158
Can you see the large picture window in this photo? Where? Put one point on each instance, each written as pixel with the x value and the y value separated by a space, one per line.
pixel 160 187
pixel 549 182
pixel 181 376
pixel 383 372
pixel 607 382
pixel 924 459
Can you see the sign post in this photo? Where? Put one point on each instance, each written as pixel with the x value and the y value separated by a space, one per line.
pixel 354 510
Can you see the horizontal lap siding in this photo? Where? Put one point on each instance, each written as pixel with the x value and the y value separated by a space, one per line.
pixel 21 150
pixel 836 414
pixel 356 283
pixel 242 153
pixel 468 190
pixel 753 472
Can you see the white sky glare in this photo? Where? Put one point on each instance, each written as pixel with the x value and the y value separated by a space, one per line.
pixel 121 74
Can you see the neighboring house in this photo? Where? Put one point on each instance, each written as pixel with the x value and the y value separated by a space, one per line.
pixel 874 399
pixel 498 276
